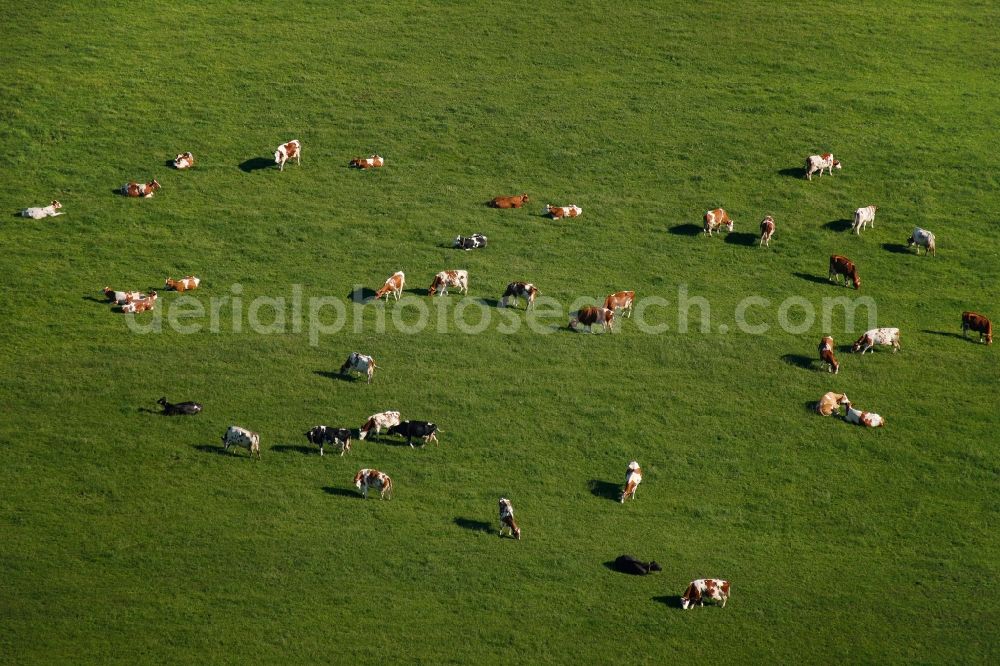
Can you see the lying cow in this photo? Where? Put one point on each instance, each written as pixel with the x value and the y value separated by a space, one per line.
pixel 979 324
pixel 517 290
pixel 858 417
pixel 179 408
pixel 425 430
pixel 717 219
pixel 863 217
pixel 241 437
pixel 377 422
pixel 137 305
pixel 122 297
pixel 843 266
pixel 47 211
pixel 184 284
pixel 559 212
pixel 620 300
pixel 590 315
pixel 830 403
pixel 699 590
pixel 766 231
pixel 184 161
pixel 359 363
pixel 321 435
pixel 446 279
pixel 826 355
pixel 370 162
pixel 287 151
pixel 630 565
pixel 145 190
pixel 877 336
pixel 633 477
pixel 922 238
pixel 372 478
pixel 515 201
pixel 816 163
pixel 393 285
pixel 507 521
pixel 470 242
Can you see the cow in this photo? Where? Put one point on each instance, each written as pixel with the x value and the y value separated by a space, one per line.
pixel 559 212
pixel 715 589
pixel 184 284
pixel 470 242
pixel 633 477
pixel 979 324
pixel 621 300
pixel 122 297
pixel 590 315
pixel 715 219
pixel 922 238
pixel 858 417
pixel 425 430
pixel 322 434
pixel 830 403
pixel 507 521
pixel 178 408
pixel 378 421
pixel 636 567
pixel 184 161
pixel 446 279
pixel 287 151
pixel 766 231
pixel 137 305
pixel 816 163
pixel 47 211
pixel 370 162
pixel 241 437
pixel 826 355
pixel 843 266
pixel 372 478
pixel 145 190
pixel 863 217
pixel 393 285
pixel 877 336
pixel 515 201
pixel 517 290
pixel 359 363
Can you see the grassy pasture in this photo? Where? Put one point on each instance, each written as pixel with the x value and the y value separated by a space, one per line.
pixel 125 536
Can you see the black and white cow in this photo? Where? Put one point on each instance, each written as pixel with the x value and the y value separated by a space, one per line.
pixel 410 429
pixel 322 434
pixel 359 363
pixel 237 436
pixel 516 290
pixel 470 242
pixel 178 408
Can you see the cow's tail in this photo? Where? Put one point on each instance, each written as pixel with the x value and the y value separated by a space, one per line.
pixel 388 487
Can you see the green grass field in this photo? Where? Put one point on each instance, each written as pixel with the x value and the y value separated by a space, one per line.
pixel 126 537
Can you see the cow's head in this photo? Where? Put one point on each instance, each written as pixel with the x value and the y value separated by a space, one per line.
pixel 836 164
pixel 856 279
pixel 859 343
pixel 55 204
pixel 655 566
pixel 357 479
pixel 690 597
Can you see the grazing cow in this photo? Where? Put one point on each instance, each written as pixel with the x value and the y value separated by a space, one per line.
pixel 863 217
pixel 590 315
pixel 633 477
pixel 715 589
pixel 371 162
pixel 179 408
pixel 979 324
pixel 184 284
pixel 830 403
pixel 922 238
pixel 620 300
pixel 378 421
pixel 858 417
pixel 559 212
pixel 394 285
pixel 877 336
pixel 287 151
pixel 184 161
pixel 122 297
pixel 715 219
pixel 241 437
pixel 630 565
pixel 38 213
pixel 322 434
pixel 137 305
pixel 816 163
pixel 359 363
pixel 507 521
pixel 425 430
pixel 446 279
pixel 146 190
pixel 373 478
pixel 515 201
pixel 470 242
pixel 517 290
pixel 766 231
pixel 843 266
pixel 826 355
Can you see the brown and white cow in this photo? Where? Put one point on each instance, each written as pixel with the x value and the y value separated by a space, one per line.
pixel 830 403
pixel 979 324
pixel 370 162
pixel 122 297
pixel 184 161
pixel 517 290
pixel 559 212
pixel 37 213
pixel 863 217
pixel 633 477
pixel 137 305
pixel 372 478
pixel 360 363
pixel 766 231
pixel 377 422
pixel 515 201
pixel 507 521
pixel 923 238
pixel 184 284
pixel 858 417
pixel 826 355
pixel 590 315
pixel 287 151
pixel 446 279
pixel 621 300
pixel 843 266
pixel 394 285
pixel 145 190
pixel 877 336
pixel 699 590
pixel 816 163
pixel 717 219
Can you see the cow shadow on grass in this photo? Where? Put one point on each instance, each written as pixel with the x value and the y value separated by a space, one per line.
pixel 212 448
pixel 94 299
pixel 809 406
pixel 896 248
pixel 416 291
pixel 949 334
pixel 812 278
pixel 341 492
pixel 839 225
pixel 255 164
pixel 793 172
pixel 605 490
pixel 670 600
pixel 686 230
pixel 739 238
pixel 473 525
pixel 336 376
pixel 799 361
pixel 360 295
pixel 296 448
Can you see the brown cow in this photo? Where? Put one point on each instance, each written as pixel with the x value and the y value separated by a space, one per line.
pixel 826 355
pixel 590 315
pixel 716 219
pixel 620 300
pixel 370 162
pixel 979 324
pixel 766 231
pixel 843 266
pixel 515 201
pixel 145 190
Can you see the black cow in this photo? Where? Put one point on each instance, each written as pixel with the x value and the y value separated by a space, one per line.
pixel 322 434
pixel 630 565
pixel 170 409
pixel 470 242
pixel 410 429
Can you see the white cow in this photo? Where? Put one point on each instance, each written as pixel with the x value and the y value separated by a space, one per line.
pixel 507 521
pixel 633 477
pixel 816 163
pixel 236 436
pixel 378 421
pixel 446 279
pixel 287 151
pixel 38 213
pixel 863 217
pixel 877 336
pixel 922 238
pixel 359 363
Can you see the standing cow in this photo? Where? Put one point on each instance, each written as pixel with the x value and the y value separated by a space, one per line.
pixel 446 279
pixel 321 435
pixel 922 238
pixel 826 355
pixel 393 285
pixel 717 219
pixel 633 477
pixel 287 151
pixel 507 521
pixel 816 163
pixel 516 290
pixel 372 478
pixel 843 266
pixel 979 324
pixel 243 438
pixel 863 217
pixel 377 422
pixel 425 430
pixel 590 315
pixel 621 300
pixel 359 363
pixel 877 336
pixel 697 591
pixel 766 231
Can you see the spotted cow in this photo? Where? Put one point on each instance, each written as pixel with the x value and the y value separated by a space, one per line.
pixel 372 478
pixel 287 151
pixel 507 521
pixel 699 590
